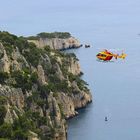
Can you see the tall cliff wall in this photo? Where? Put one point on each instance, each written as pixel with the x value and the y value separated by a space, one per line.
pixel 39 90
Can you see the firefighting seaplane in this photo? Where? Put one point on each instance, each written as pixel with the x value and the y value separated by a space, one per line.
pixel 108 55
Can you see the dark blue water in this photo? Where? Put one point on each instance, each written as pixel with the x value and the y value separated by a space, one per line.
pixel 105 24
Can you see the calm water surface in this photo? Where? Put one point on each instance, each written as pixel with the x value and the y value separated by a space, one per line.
pixel 115 85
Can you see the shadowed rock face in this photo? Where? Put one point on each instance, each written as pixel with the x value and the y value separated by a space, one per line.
pixel 57 43
pixel 52 88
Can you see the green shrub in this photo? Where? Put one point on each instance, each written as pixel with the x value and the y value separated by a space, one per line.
pixel 62 86
pixel 33 98
pixel 7 38
pixel 9 49
pixel 47 48
pixel 62 35
pixel 45 89
pixel 3 77
pixel 2 114
pixel 34 77
pixel 19 134
pixel 3 100
pixel 40 102
pixel 6 130
pixel 21 127
pixel 32 38
pixel 21 43
pixel 32 54
pixel 22 80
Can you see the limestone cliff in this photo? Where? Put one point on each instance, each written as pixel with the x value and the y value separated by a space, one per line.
pixel 39 89
pixel 56 42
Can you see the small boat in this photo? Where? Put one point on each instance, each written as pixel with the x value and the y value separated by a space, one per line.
pixel 106 119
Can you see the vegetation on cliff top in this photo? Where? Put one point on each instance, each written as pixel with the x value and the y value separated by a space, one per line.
pixel 61 35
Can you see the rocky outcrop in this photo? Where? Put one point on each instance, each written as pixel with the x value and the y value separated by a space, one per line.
pixel 14 95
pixel 4 63
pixel 41 75
pixel 18 61
pixel 57 43
pixel 74 67
pixel 58 71
pixel 67 105
pixel 15 100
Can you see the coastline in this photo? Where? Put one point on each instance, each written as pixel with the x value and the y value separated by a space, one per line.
pixel 42 85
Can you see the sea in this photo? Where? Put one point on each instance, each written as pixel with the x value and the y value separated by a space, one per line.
pixel 115 85
pixel 103 24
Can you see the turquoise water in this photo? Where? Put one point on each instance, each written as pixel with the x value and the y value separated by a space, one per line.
pixel 110 24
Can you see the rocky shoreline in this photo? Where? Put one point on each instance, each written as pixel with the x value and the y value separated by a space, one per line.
pixel 40 88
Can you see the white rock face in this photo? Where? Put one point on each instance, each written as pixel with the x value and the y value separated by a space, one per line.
pixel 19 61
pixel 4 61
pixel 67 104
pixel 16 99
pixel 15 95
pixel 6 64
pixel 41 75
pixel 74 67
pixel 57 43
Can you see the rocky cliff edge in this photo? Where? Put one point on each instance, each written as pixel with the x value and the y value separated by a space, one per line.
pixel 55 41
